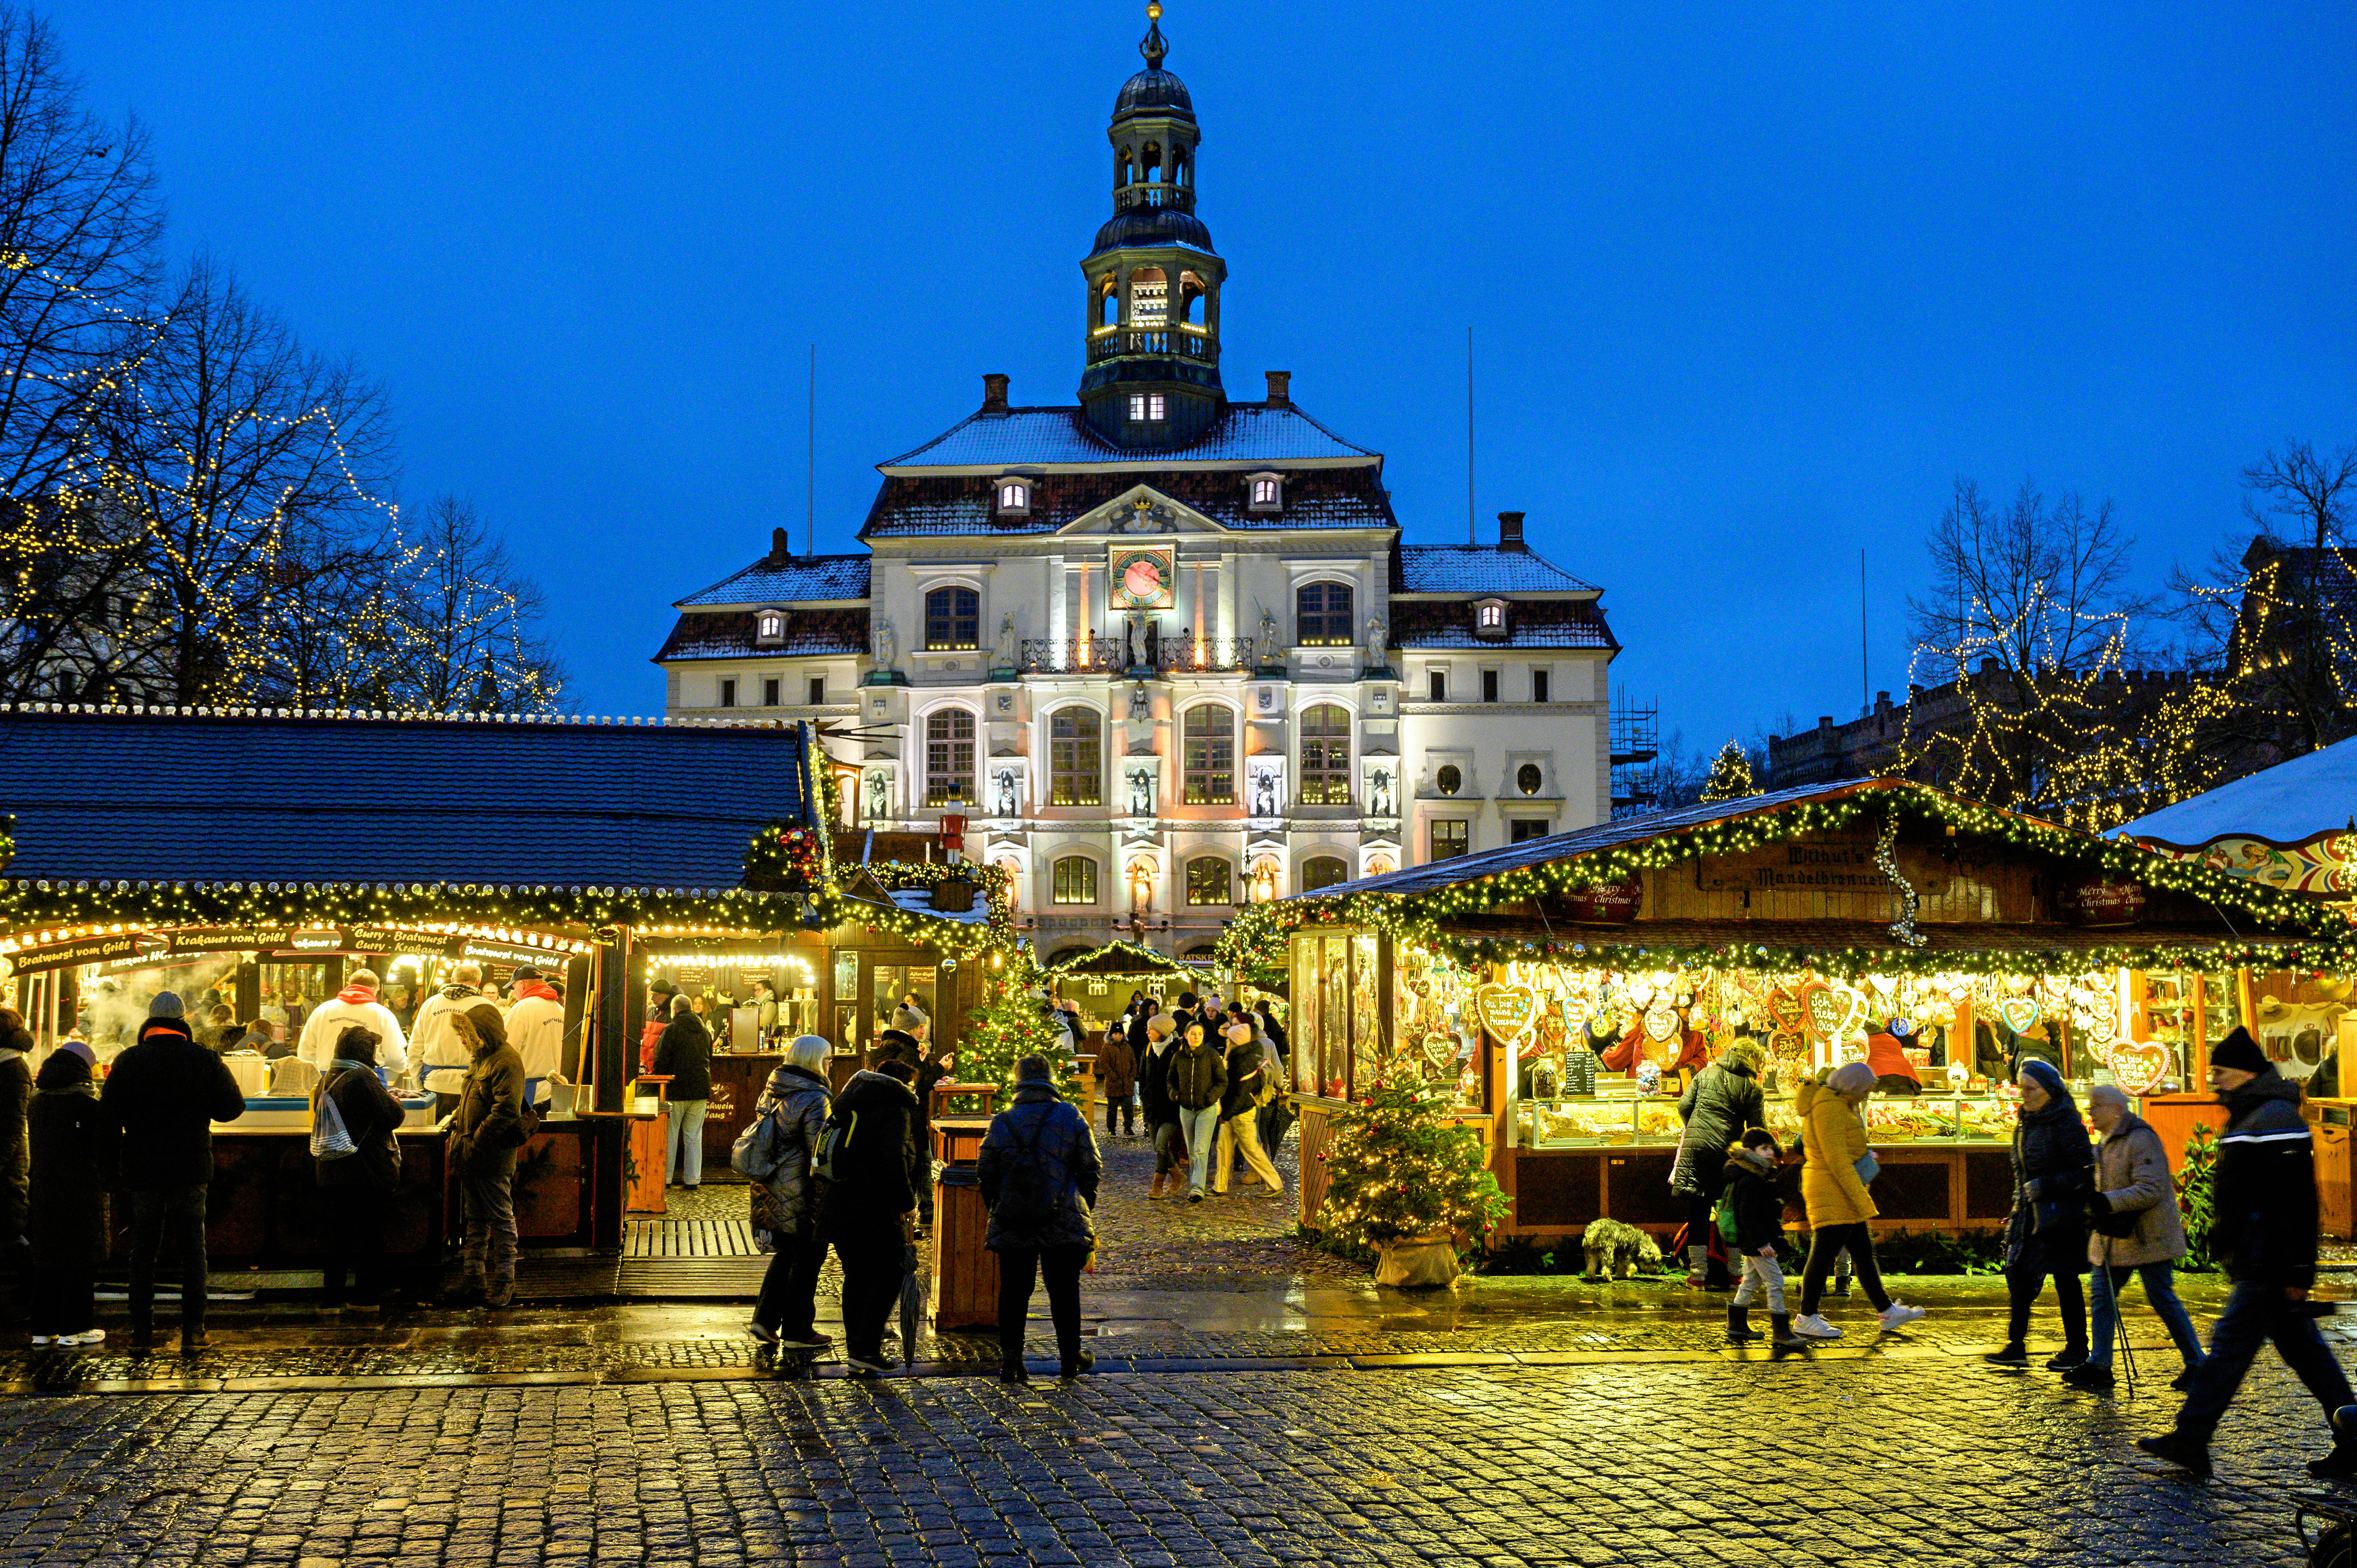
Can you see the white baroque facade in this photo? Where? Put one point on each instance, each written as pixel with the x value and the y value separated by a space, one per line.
pixel 1166 652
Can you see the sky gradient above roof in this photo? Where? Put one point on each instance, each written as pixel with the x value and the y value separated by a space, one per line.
pixel 1748 288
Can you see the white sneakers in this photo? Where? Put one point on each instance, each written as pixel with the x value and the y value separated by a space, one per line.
pixel 88 1336
pixel 1898 1315
pixel 1814 1327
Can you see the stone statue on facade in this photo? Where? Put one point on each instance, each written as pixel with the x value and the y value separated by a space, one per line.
pixel 880 795
pixel 1141 792
pixel 1379 793
pixel 887 645
pixel 1265 792
pixel 1005 653
pixel 1006 792
pixel 1376 632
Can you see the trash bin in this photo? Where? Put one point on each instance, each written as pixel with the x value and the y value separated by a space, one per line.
pixel 965 1272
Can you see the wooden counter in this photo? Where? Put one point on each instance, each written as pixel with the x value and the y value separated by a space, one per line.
pixel 1921 1186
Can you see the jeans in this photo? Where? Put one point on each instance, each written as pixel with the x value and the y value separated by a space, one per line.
pixel 871 1289
pixel 2161 1290
pixel 1169 1148
pixel 1239 1135
pixel 1062 1266
pixel 684 1142
pixel 1203 1129
pixel 1825 1242
pixel 2024 1280
pixel 789 1302
pixel 1766 1273
pixel 178 1212
pixel 2255 1313
pixel 1122 1111
pixel 354 1240
pixel 489 1190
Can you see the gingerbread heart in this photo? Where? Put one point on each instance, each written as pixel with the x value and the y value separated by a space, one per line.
pixel 2019 1013
pixel 1660 1024
pixel 1507 1011
pixel 2139 1069
pixel 1440 1049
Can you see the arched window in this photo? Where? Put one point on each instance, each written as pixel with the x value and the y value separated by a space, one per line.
pixel 1208 770
pixel 1321 871
pixel 1263 492
pixel 952 619
pixel 1489 616
pixel 1076 758
pixel 1109 302
pixel 1325 755
pixel 1075 880
pixel 1014 497
pixel 948 757
pixel 1013 884
pixel 1322 614
pixel 770 628
pixel 1211 880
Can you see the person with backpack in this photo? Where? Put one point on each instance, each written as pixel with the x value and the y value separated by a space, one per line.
pixel 866 1203
pixel 1038 1171
pixel 486 1131
pixel 1197 1080
pixel 73 1164
pixel 774 1154
pixel 1750 1220
pixel 1719 1106
pixel 357 1163
pixel 1250 1086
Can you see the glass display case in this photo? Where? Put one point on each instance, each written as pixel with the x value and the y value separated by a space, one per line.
pixel 1619 1114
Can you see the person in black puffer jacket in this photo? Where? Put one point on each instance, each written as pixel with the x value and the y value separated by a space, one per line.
pixel 356 1189
pixel 685 1055
pixel 16 1149
pixel 1248 1078
pixel 1751 1168
pixel 785 1203
pixel 865 1209
pixel 1039 1172
pixel 2053 1173
pixel 1719 1106
pixel 73 1144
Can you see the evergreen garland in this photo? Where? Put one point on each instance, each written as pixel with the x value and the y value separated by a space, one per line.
pixel 1400 1167
pixel 2195 1203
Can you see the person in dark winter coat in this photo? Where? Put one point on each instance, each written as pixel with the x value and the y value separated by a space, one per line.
pixel 1162 1116
pixel 1038 1173
pixel 486 1131
pixel 15 1151
pixel 865 1210
pixel 165 1092
pixel 2054 1174
pixel 928 1065
pixel 786 1204
pixel 684 1054
pixel 2263 1228
pixel 74 1146
pixel 1197 1081
pixel 1750 1170
pixel 356 1189
pixel 1719 1106
pixel 1117 1082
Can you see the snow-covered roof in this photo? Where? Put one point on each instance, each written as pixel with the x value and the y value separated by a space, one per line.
pixel 2288 804
pixel 1481 569
pixel 798 579
pixel 1032 437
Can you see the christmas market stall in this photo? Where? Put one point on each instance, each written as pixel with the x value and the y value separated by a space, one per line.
pixel 250 862
pixel 1568 987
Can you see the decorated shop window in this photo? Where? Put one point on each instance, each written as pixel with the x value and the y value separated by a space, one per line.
pixel 1368 1046
pixel 1334 974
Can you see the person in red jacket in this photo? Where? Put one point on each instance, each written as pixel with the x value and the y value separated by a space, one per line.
pixel 1886 1054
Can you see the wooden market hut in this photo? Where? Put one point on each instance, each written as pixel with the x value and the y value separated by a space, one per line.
pixel 264 854
pixel 1523 973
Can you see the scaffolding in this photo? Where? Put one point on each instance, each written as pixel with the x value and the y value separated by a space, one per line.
pixel 1636 743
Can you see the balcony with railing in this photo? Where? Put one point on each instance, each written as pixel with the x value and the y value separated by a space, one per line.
pixel 1182 655
pixel 1185 340
pixel 1153 193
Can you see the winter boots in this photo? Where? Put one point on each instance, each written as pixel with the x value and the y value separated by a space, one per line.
pixel 1158 1179
pixel 1780 1333
pixel 501 1292
pixel 467 1291
pixel 2341 1462
pixel 1738 1326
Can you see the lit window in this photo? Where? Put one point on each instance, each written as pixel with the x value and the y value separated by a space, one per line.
pixel 769 626
pixel 1326 756
pixel 1323 871
pixel 1263 492
pixel 1208 770
pixel 952 619
pixel 1014 496
pixel 1449 837
pixel 1450 779
pixel 1144 408
pixel 948 759
pixel 1076 759
pixel 1493 616
pixel 1527 779
pixel 1209 880
pixel 1075 880
pixel 1322 614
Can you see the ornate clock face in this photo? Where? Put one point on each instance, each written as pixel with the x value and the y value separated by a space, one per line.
pixel 1141 578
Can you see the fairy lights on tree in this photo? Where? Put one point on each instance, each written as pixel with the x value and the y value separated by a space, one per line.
pixel 1730 775
pixel 1399 1166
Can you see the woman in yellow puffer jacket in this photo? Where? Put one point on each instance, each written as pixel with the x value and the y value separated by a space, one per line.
pixel 1834 1192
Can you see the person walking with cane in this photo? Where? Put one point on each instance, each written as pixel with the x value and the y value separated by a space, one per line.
pixel 2136 1230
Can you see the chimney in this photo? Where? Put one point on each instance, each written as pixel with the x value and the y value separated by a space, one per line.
pixel 1510 531
pixel 781 550
pixel 1280 389
pixel 994 394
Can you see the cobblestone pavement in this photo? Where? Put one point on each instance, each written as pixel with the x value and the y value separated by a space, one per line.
pixel 1860 1462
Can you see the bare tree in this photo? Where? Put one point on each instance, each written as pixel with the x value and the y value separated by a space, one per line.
pixel 2038 587
pixel 467 620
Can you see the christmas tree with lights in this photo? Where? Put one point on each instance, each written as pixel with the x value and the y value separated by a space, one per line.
pixel 1399 1167
pixel 1730 776
pixel 1011 1023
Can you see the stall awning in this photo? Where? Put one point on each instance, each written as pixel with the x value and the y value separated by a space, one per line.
pixel 2286 805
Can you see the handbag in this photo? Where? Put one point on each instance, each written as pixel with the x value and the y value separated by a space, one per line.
pixel 1868 1168
pixel 330 1138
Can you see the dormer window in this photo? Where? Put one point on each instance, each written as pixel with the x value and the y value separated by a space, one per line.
pixel 1014 498
pixel 1146 408
pixel 768 628
pixel 1267 490
pixel 1490 619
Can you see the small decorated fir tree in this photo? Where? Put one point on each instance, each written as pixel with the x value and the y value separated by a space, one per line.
pixel 1012 1024
pixel 1730 776
pixel 1399 1167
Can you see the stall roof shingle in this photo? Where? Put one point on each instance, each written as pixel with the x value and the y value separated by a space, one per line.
pixel 801 579
pixel 194 798
pixel 1243 432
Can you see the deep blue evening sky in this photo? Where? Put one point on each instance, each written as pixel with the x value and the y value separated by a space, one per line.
pixel 1747 288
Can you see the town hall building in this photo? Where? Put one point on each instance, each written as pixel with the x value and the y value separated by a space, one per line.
pixel 1166 652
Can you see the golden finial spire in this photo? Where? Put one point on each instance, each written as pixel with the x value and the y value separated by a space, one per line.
pixel 1155 47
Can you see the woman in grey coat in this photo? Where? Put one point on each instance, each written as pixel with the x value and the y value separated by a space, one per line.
pixel 2135 1202
pixel 786 1205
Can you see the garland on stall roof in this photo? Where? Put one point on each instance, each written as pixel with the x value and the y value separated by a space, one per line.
pixel 995 932
pixel 1886 859
pixel 1146 958
pixel 1256 938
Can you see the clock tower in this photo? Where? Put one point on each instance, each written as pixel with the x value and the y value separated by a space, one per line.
pixel 1153 279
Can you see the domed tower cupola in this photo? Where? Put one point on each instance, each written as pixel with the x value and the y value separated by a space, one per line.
pixel 1153 376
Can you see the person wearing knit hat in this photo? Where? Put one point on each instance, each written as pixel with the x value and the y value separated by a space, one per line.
pixel 2263 1228
pixel 2046 1233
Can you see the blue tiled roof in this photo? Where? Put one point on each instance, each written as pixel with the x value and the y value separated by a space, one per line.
pixel 1479 569
pixel 802 579
pixel 1244 433
pixel 141 796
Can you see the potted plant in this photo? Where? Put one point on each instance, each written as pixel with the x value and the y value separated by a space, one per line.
pixel 1408 1181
